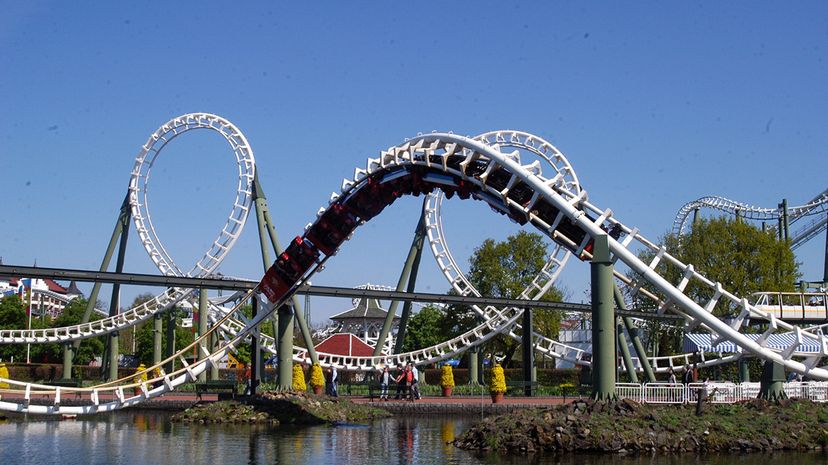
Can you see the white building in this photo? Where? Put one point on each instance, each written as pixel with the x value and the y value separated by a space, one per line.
pixel 48 298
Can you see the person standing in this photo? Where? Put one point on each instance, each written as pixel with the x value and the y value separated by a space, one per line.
pixel 400 380
pixel 334 380
pixel 385 379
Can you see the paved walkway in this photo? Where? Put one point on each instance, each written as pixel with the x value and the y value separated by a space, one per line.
pixel 429 405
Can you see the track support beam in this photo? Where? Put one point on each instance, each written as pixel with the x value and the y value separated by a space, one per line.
pixel 638 346
pixel 603 322
pixel 625 352
pixel 413 253
pixel 528 353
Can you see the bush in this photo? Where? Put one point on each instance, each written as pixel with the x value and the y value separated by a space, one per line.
pixel 299 378
pixel 497 380
pixel 317 378
pixel 446 377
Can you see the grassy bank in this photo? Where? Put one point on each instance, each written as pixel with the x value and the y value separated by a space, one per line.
pixel 628 427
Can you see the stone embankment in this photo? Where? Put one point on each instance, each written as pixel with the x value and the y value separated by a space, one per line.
pixel 277 408
pixel 629 427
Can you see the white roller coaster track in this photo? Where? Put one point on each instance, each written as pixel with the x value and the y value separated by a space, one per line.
pixel 139 205
pixel 817 205
pixel 453 155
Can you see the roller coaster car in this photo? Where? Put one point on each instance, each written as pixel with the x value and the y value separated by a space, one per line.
pixel 331 230
pixel 289 267
pixel 372 198
pixel 614 232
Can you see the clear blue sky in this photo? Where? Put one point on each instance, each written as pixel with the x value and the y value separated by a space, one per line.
pixel 655 104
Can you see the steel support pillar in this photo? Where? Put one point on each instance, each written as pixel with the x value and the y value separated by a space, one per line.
pixel 603 322
pixel 68 354
pixel 171 319
pixel 268 229
pixel 285 348
pixel 412 282
pixel 115 301
pixel 825 266
pixel 744 371
pixel 771 385
pixel 157 344
pixel 638 346
pixel 214 345
pixel 413 251
pixel 255 351
pixel 473 361
pixel 123 219
pixel 203 311
pixel 625 352
pixel 785 231
pixel 528 353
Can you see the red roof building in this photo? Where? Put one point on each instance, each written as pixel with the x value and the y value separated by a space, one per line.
pixel 345 344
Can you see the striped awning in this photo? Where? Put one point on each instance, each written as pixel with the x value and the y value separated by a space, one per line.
pixel 779 341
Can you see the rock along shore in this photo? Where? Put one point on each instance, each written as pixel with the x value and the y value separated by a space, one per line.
pixel 277 408
pixel 628 427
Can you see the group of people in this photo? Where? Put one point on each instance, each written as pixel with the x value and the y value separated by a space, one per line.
pixel 407 380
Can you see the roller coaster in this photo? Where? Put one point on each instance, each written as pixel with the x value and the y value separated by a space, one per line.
pixel 493 168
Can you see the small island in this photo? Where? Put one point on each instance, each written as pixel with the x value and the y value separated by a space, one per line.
pixel 628 427
pixel 281 408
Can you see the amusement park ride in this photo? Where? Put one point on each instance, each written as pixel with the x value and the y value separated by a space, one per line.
pixel 494 168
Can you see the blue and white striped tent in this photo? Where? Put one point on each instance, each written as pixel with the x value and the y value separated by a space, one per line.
pixel 695 342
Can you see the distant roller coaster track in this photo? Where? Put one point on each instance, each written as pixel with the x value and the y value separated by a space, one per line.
pixel 455 165
pixel 817 206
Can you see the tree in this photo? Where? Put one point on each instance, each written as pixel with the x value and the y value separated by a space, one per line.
pixel 425 329
pixel 12 316
pixel 505 269
pixel 743 258
pixel 89 348
pixel 144 337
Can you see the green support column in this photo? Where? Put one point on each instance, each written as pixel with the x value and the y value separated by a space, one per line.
pixel 625 352
pixel 256 352
pixel 115 301
pixel 123 219
pixel 603 326
pixel 785 231
pixel 285 348
pixel 825 266
pixel 202 329
pixel 171 317
pixel 214 344
pixel 473 373
pixel 528 353
pixel 744 371
pixel 636 339
pixel 771 387
pixel 696 217
pixel 267 229
pixel 413 251
pixel 412 282
pixel 68 354
pixel 157 345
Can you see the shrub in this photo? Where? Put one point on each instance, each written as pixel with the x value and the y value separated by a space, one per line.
pixel 317 378
pixel 447 377
pixel 497 380
pixel 299 378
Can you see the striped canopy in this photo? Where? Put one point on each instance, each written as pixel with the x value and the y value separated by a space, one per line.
pixel 694 342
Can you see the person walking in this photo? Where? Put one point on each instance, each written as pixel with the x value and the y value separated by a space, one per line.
pixel 415 383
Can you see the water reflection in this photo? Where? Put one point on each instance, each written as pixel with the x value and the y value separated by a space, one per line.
pixel 150 438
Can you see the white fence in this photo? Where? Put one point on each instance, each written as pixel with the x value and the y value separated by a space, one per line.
pixel 716 392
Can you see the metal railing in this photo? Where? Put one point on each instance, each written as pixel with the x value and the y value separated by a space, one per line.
pixel 716 392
